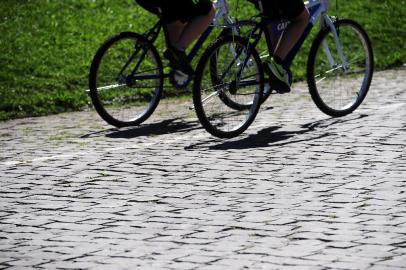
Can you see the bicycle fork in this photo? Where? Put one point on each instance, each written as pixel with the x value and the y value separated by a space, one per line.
pixel 326 21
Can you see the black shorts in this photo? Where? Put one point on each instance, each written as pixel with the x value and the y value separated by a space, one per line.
pixel 282 9
pixel 177 10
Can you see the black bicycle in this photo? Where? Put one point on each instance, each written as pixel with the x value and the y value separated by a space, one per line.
pixel 229 86
pixel 126 76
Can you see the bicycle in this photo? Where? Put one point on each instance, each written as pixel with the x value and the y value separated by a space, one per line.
pixel 126 74
pixel 227 98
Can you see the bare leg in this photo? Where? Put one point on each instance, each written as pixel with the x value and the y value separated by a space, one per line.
pixel 175 30
pixel 274 41
pixel 181 36
pixel 292 34
pixel 194 29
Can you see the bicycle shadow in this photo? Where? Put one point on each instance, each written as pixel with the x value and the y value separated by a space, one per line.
pixel 272 136
pixel 169 126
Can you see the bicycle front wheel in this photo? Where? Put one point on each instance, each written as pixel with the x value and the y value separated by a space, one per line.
pixel 337 88
pixel 227 96
pixel 126 80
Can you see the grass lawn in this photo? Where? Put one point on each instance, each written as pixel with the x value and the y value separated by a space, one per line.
pixel 46 46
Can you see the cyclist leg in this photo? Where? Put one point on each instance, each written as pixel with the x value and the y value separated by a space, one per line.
pixel 175 30
pixel 196 25
pixel 292 34
pixel 296 12
pixel 187 20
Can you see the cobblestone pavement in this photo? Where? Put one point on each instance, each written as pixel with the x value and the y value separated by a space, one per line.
pixel 299 190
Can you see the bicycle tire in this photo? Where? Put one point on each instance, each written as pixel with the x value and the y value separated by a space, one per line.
pixel 122 99
pixel 226 121
pixel 331 98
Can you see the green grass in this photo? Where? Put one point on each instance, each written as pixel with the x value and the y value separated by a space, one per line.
pixel 46 46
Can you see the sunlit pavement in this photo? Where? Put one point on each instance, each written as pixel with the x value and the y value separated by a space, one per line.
pixel 298 190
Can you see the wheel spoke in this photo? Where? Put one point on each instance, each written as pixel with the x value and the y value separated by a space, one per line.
pixel 210 97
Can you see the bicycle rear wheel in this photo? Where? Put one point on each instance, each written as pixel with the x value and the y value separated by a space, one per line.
pixel 335 89
pixel 227 97
pixel 126 80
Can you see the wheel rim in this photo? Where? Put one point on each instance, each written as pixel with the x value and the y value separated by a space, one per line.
pixel 124 98
pixel 339 89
